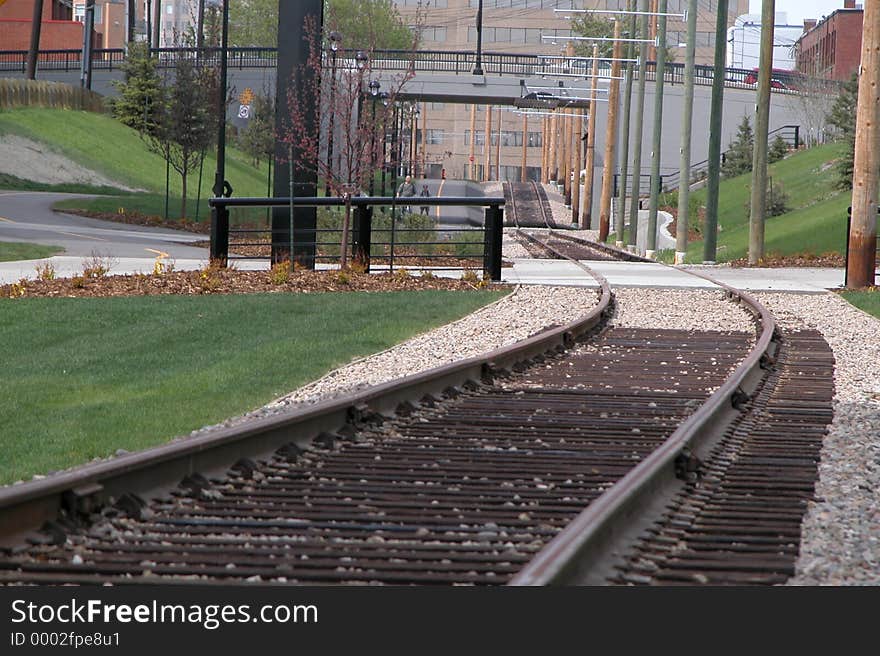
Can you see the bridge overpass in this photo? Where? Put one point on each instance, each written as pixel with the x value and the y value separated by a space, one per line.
pixel 446 76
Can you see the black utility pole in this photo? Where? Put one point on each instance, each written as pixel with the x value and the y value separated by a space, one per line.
pixel 131 17
pixel 293 53
pixel 478 64
pixel 34 50
pixel 88 31
pixel 220 215
pixel 200 26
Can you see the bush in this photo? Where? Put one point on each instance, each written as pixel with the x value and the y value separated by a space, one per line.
pixel 778 149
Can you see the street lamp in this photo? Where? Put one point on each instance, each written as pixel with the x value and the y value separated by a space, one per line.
pixel 335 39
pixel 478 64
pixel 220 216
pixel 414 130
pixel 386 98
pixel 374 94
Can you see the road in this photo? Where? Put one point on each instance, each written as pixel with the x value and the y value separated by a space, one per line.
pixel 28 217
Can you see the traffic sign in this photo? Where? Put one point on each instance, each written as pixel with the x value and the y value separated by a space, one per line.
pixel 244 111
pixel 246 97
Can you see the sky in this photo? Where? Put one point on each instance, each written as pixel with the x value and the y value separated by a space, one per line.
pixel 798 10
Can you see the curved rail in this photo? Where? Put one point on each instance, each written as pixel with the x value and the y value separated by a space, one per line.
pixel 25 508
pixel 584 551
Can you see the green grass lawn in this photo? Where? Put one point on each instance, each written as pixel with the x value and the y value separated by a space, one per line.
pixel 869 301
pixel 816 222
pixel 85 377
pixel 14 251
pixel 102 144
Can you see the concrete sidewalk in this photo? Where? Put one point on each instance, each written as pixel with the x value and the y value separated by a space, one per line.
pixel 524 271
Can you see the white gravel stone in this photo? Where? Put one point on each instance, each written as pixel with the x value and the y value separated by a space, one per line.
pixel 679 309
pixel 840 543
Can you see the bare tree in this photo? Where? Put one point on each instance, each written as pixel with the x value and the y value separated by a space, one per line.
pixel 358 116
pixel 811 105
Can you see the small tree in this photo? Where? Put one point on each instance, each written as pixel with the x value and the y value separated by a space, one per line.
pixel 778 149
pixel 358 140
pixel 738 158
pixel 843 118
pixel 187 122
pixel 141 95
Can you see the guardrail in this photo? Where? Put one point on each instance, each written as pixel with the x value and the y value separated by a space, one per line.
pixel 436 61
pixel 364 249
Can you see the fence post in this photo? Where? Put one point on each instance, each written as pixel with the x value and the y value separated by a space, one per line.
pixel 219 232
pixel 797 136
pixel 846 255
pixel 492 243
pixel 360 242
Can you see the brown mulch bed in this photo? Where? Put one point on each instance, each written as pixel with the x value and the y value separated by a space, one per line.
pixel 229 281
pixel 793 261
pixel 136 218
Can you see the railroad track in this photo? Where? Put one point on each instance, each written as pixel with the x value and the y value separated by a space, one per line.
pixel 525 466
pixel 527 205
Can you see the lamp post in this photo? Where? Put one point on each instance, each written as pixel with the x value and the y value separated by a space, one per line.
pixel 414 131
pixel 360 59
pixel 335 39
pixel 478 64
pixel 220 216
pixel 374 94
pixel 385 99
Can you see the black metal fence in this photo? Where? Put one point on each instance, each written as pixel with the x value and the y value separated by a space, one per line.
pixel 392 237
pixel 790 134
pixel 438 61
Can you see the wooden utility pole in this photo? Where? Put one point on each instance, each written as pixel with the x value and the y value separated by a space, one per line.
pixel 576 157
pixel 525 141
pixel 758 204
pixel 487 146
pixel 544 122
pixel 471 159
pixel 551 149
pixel 498 149
pixel 610 139
pixel 424 139
pixel 684 174
pixel 863 227
pixel 34 50
pixel 566 155
pixel 654 202
pixel 587 210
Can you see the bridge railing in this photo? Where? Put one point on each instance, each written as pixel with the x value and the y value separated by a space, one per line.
pixel 458 62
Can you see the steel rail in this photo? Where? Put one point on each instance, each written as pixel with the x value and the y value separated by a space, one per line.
pixel 25 508
pixel 585 552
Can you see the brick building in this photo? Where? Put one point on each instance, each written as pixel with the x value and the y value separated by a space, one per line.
pixel 832 47
pixel 59 30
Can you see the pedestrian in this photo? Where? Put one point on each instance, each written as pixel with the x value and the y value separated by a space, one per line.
pixel 424 194
pixel 406 190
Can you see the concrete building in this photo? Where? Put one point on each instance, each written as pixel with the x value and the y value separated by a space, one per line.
pixel 832 47
pixel 744 42
pixel 515 26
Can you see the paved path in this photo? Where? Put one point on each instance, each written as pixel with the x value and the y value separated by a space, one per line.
pixel 27 216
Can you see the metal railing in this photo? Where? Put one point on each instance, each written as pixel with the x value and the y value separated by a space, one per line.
pixel 402 246
pixel 670 181
pixel 436 61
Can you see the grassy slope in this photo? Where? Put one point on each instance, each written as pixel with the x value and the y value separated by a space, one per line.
pixel 102 144
pixel 815 224
pixel 104 374
pixel 869 301
pixel 14 251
